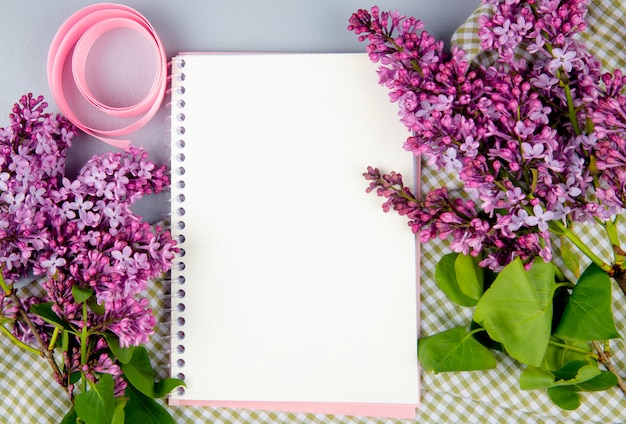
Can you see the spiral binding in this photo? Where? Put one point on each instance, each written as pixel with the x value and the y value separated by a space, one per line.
pixel 178 213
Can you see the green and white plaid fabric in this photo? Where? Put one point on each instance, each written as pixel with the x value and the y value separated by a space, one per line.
pixel 28 394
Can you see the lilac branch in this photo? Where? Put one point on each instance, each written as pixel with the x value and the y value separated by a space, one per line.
pixel 604 356
pixel 48 355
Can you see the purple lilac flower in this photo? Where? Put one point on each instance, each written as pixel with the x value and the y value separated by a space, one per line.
pixel 131 320
pixel 609 117
pixel 536 144
pixel 80 232
pixel 528 24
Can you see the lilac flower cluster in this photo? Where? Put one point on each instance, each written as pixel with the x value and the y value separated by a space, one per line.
pixel 537 144
pixel 609 143
pixel 533 23
pixel 78 233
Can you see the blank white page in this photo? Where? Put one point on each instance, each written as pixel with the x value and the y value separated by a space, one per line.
pixel 298 288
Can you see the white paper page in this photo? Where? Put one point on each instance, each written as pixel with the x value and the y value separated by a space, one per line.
pixel 298 287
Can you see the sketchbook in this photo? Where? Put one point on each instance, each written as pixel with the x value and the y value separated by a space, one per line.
pixel 293 291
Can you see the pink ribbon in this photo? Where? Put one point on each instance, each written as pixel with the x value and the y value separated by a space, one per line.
pixel 75 38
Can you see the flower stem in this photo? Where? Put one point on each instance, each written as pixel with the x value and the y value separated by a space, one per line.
pixel 43 349
pixel 605 358
pixel 17 341
pixel 83 337
pixel 571 112
pixel 83 346
pixel 5 288
pixel 399 189
pixel 611 231
pixel 582 246
pixel 574 349
pixel 570 104
pixel 53 339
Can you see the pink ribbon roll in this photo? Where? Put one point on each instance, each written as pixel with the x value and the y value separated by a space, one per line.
pixel 74 41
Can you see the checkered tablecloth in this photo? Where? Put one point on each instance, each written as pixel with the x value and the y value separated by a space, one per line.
pixel 27 394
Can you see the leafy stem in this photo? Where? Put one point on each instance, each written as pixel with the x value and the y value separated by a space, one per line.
pixel 84 335
pixel 611 231
pixel 5 288
pixel 54 338
pixel 561 277
pixel 574 349
pixel 604 356
pixel 43 348
pixel 17 341
pixel 398 188
pixel 567 232
pixel 571 112
pixel 570 103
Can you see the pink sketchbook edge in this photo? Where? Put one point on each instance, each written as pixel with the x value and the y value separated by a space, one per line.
pixel 355 409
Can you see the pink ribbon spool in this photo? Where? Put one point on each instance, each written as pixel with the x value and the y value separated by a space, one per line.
pixel 76 37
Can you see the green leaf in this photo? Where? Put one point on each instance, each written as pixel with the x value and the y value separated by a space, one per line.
pixel 446 280
pixel 139 371
pixel 70 417
pixel 565 397
pixel 532 378
pixel 583 374
pixel 454 350
pixel 469 276
pixel 577 370
pixel 588 315
pixel 96 405
pixel 119 416
pixel 604 381
pixel 140 409
pixel 165 386
pixel 561 352
pixel 560 299
pixel 571 374
pixel 75 377
pixel 517 310
pixel 483 338
pixel 123 354
pixel 95 307
pixel 141 375
pixel 44 310
pixel 65 341
pixel 81 294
